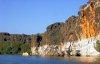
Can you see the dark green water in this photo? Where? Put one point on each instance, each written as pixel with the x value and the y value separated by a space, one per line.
pixel 18 59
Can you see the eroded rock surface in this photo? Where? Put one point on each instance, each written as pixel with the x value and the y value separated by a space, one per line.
pixel 77 35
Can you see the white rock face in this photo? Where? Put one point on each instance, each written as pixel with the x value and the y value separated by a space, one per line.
pixel 25 54
pixel 52 50
pixel 42 49
pixel 33 49
pixel 84 46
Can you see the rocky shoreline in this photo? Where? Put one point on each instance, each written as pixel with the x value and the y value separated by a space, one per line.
pixel 77 48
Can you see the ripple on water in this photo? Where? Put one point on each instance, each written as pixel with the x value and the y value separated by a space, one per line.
pixel 18 59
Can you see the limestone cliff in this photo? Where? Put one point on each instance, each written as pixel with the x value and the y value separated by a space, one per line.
pixel 86 25
pixel 77 34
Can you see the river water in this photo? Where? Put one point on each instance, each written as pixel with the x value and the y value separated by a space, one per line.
pixel 19 59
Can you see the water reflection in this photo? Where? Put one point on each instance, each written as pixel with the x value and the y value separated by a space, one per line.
pixel 80 60
pixel 85 60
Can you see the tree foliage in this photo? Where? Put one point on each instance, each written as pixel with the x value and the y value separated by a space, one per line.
pixel 5 48
pixel 97 46
pixel 15 48
pixel 25 48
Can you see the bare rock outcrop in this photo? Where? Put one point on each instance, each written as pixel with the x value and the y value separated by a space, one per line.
pixel 78 33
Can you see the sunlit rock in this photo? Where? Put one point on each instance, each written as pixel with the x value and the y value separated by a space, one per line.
pixel 25 54
pixel 85 47
pixel 77 36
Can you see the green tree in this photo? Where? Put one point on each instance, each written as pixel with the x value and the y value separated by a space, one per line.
pixel 97 46
pixel 25 48
pixel 5 48
pixel 16 48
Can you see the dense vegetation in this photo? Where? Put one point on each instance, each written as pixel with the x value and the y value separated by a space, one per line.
pixel 14 48
pixel 14 43
pixel 18 43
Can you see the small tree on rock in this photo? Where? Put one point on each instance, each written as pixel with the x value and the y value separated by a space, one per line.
pixel 97 46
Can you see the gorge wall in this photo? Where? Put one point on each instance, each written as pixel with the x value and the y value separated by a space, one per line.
pixel 76 36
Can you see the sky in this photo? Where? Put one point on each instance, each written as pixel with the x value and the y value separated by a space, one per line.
pixel 33 16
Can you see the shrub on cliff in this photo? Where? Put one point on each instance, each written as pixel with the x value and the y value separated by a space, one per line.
pixel 25 48
pixel 16 47
pixel 97 46
pixel 5 48
pixel 98 10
